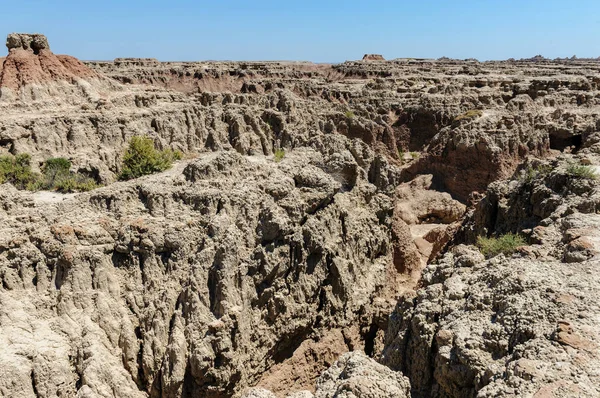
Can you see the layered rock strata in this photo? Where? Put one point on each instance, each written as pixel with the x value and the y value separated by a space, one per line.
pixel 234 270
pixel 520 325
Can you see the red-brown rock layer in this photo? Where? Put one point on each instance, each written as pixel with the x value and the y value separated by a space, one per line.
pixel 35 64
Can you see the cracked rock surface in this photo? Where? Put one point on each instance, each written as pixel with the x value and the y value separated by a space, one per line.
pixel 194 281
pixel 510 326
pixel 343 267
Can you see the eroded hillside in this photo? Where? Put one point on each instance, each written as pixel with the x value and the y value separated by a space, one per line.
pixel 237 268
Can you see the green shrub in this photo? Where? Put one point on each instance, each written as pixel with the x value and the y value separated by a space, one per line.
pixel 56 175
pixel 505 244
pixel 53 170
pixel 17 170
pixel 279 155
pixel 472 114
pixel 177 154
pixel 57 165
pixel 415 155
pixel 349 115
pixel 532 173
pixel 579 170
pixel 142 158
pixel 74 182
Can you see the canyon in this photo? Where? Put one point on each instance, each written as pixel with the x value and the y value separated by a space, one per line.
pixel 347 266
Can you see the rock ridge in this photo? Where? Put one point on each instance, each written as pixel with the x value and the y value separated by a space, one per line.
pixel 316 240
pixel 31 62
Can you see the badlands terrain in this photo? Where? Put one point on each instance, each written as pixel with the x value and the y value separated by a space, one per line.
pixel 318 238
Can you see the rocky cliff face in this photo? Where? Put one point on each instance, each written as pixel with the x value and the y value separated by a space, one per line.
pixel 453 114
pixel 235 269
pixel 510 326
pixel 457 113
pixel 30 63
pixel 195 281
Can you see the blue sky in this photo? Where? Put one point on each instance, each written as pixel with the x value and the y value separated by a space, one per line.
pixel 320 31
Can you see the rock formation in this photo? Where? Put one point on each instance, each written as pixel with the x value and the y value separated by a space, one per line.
pixel 237 272
pixel 353 375
pixel 373 57
pixel 31 63
pixel 507 326
pixel 225 266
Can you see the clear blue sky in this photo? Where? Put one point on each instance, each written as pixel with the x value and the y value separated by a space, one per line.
pixel 320 31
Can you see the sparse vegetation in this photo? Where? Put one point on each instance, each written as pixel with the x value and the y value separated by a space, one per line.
pixel 413 155
pixel 579 170
pixel 472 114
pixel 401 155
pixel 532 173
pixel 505 244
pixel 56 175
pixel 349 115
pixel 57 165
pixel 142 158
pixel 74 182
pixel 17 171
pixel 279 155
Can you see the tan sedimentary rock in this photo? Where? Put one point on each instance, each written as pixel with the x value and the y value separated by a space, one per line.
pixel 233 270
pixel 373 57
pixel 511 325
pixel 196 280
pixel 354 375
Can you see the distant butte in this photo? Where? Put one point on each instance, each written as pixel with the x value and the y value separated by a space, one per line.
pixel 30 61
pixel 373 57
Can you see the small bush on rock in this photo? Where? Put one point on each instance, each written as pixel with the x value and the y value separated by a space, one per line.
pixel 505 244
pixel 578 170
pixel 349 115
pixel 532 173
pixel 56 165
pixel 279 155
pixel 54 169
pixel 74 182
pixel 17 171
pixel 142 158
pixel 57 176
pixel 472 114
